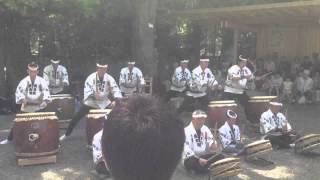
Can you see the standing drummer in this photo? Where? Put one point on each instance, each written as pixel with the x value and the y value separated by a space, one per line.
pixel 275 127
pixel 32 93
pixel 57 77
pixel 97 89
pixel 201 80
pixel 236 82
pixel 230 135
pixel 199 145
pixel 131 79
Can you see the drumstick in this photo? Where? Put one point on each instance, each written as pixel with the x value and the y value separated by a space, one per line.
pixel 263 76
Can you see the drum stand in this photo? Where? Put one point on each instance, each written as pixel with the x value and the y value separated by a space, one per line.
pixel 37 160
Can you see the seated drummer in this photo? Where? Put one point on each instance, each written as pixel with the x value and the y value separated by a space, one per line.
pixel 276 128
pixel 97 155
pixel 32 93
pixel 57 77
pixel 230 135
pixel 97 89
pixel 200 145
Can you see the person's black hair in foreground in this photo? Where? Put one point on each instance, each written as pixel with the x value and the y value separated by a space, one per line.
pixel 142 140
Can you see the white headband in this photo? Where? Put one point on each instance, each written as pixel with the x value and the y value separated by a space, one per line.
pixel 242 58
pixel 204 60
pixel 275 103
pixel 102 65
pixel 199 114
pixel 55 61
pixel 131 63
pixel 184 61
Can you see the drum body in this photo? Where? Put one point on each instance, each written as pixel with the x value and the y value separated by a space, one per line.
pixel 217 112
pixel 36 135
pixel 256 106
pixel 307 143
pixel 226 167
pixel 64 106
pixel 258 148
pixel 95 120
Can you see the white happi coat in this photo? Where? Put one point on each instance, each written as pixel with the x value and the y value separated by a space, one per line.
pixel 269 122
pixel 97 148
pixel 200 81
pixel 180 79
pixel 105 87
pixel 131 81
pixel 227 136
pixel 197 146
pixel 237 87
pixel 56 79
pixel 34 93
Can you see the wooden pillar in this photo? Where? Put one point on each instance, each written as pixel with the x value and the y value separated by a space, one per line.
pixel 235 45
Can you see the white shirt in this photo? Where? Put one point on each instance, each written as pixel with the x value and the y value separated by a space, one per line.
pixel 269 122
pixel 238 86
pixel 304 85
pixel 56 79
pixel 34 93
pixel 131 81
pixel 105 87
pixel 197 146
pixel 227 135
pixel 180 79
pixel 200 81
pixel 97 148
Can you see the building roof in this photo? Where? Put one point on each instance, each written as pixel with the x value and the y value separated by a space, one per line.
pixel 304 12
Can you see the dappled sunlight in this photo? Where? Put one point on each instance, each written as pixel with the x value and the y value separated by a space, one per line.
pixel 243 176
pixel 49 175
pixel 279 172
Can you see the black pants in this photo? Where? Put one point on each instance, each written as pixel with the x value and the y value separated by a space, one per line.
pixel 64 91
pixel 191 103
pixel 172 94
pixel 83 110
pixel 10 135
pixel 283 141
pixel 101 169
pixel 240 98
pixel 192 163
pixel 237 149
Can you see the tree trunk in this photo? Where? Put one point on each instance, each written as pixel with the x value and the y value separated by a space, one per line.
pixel 2 73
pixel 143 35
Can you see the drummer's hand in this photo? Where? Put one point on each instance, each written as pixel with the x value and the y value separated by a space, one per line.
pixel 43 104
pixel 24 101
pixel 203 162
pixel 113 104
pixel 214 147
pixel 97 96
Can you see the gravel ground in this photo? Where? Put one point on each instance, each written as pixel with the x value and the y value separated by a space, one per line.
pixel 74 161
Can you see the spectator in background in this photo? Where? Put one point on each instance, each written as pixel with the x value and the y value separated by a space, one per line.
pixel 316 62
pixel 275 84
pixel 316 80
pixel 304 88
pixel 287 87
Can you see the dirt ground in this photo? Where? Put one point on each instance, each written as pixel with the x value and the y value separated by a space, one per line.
pixel 74 161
